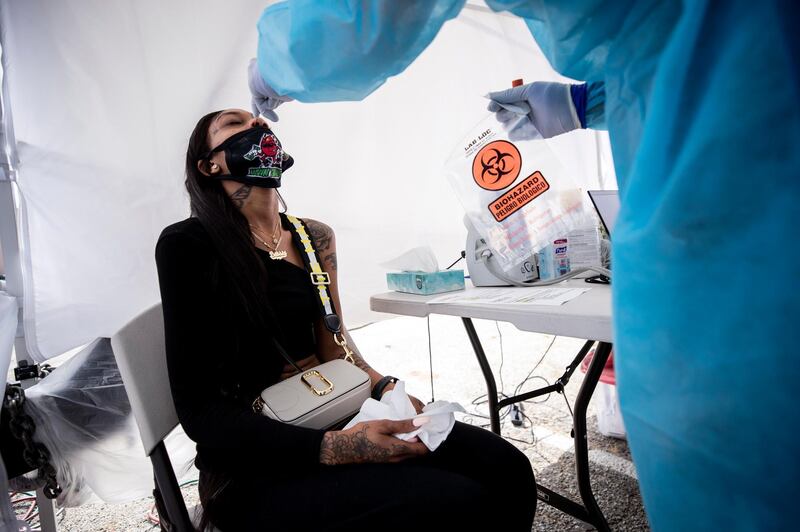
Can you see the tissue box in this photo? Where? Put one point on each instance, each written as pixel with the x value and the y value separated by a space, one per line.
pixel 426 282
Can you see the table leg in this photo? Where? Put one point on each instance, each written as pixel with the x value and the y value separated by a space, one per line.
pixel 488 376
pixel 601 354
pixel 590 512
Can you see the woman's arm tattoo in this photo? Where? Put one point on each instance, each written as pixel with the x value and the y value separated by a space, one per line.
pixel 321 234
pixel 359 360
pixel 330 259
pixel 241 195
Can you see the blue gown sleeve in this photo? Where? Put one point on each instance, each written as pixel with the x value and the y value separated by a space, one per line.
pixel 576 37
pixel 589 100
pixel 596 105
pixel 342 51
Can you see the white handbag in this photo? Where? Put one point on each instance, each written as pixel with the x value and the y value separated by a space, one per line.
pixel 328 394
pixel 320 398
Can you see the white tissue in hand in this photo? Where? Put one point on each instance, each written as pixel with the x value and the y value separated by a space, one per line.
pixel 419 259
pixel 396 405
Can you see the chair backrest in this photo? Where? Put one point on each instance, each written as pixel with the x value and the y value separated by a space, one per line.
pixel 142 361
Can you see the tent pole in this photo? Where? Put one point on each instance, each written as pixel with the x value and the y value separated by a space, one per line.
pixel 12 259
pixel 9 237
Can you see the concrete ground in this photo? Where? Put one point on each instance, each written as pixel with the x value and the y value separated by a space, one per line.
pixel 400 347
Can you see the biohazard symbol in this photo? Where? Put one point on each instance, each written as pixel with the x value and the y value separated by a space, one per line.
pixel 496 165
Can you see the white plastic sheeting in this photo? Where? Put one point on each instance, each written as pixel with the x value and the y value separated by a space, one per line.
pixel 84 418
pixel 105 94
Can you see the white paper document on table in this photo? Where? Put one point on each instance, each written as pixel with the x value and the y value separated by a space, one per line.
pixel 517 296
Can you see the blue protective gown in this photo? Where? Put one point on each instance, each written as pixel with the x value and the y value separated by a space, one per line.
pixel 702 111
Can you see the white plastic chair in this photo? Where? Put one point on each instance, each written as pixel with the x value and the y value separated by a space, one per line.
pixel 141 358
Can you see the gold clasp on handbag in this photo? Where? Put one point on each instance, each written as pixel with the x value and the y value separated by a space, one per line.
pixel 258 405
pixel 341 341
pixel 314 373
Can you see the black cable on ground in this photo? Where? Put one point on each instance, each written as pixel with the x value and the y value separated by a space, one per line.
pixel 507 412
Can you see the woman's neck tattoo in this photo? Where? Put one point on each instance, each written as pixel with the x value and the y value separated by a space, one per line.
pixel 241 195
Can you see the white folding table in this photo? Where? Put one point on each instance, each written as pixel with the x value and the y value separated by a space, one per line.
pixel 588 317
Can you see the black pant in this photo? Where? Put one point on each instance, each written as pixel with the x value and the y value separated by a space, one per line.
pixel 474 480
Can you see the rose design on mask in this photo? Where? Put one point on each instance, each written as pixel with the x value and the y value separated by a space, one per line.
pixel 267 151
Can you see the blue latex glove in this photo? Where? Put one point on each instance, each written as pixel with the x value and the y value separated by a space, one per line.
pixel 264 99
pixel 541 109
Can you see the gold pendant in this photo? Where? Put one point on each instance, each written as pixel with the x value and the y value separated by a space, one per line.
pixel 277 255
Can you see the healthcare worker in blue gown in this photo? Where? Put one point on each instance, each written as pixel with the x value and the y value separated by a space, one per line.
pixel 702 103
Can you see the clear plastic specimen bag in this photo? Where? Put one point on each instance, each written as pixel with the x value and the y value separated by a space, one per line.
pixel 517 194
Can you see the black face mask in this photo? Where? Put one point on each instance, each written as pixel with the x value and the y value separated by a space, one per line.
pixel 254 157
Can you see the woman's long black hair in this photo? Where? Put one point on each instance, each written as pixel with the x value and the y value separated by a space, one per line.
pixel 230 235
pixel 228 229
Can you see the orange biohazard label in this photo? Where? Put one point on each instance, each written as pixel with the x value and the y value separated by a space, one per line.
pixel 496 165
pixel 528 190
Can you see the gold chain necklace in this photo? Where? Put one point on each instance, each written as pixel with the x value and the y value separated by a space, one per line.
pixel 274 254
pixel 275 231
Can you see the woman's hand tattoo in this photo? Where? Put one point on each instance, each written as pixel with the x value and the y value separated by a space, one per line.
pixel 343 448
pixel 370 441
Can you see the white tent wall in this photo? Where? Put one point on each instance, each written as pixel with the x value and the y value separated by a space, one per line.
pixel 105 94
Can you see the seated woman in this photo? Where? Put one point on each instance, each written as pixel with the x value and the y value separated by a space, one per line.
pixel 231 279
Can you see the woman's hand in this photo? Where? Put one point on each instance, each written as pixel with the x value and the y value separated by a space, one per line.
pixel 264 99
pixel 370 441
pixel 305 364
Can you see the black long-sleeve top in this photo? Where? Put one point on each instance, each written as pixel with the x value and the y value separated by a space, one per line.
pixel 219 361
